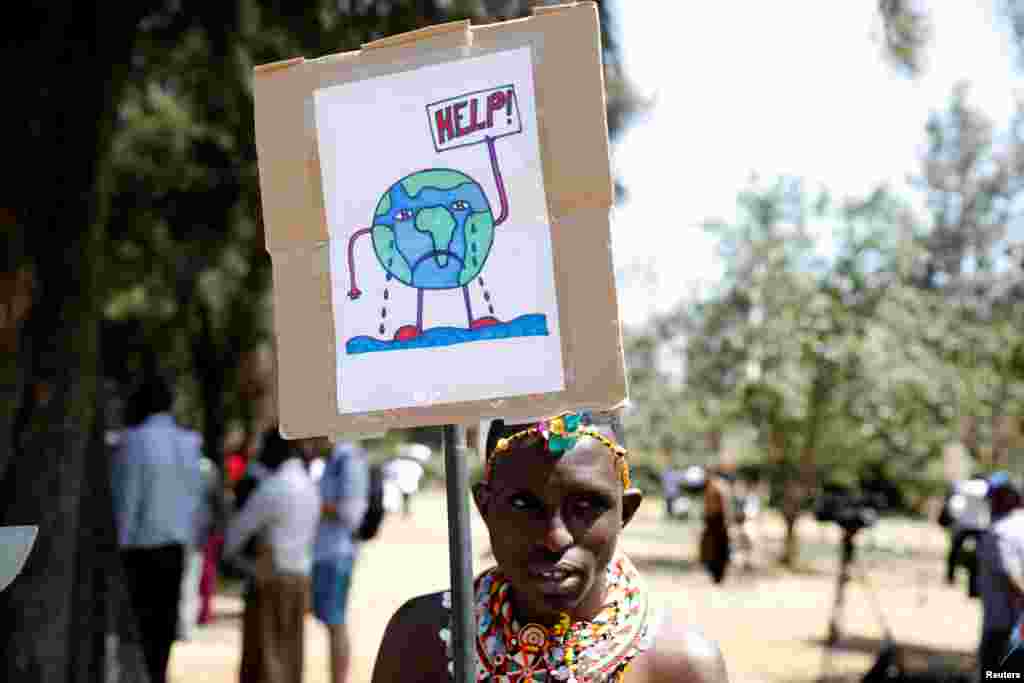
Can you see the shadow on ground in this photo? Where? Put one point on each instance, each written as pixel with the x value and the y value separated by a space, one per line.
pixel 666 564
pixel 913 663
pixel 226 615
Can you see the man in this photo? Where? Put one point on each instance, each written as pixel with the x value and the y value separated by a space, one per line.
pixel 405 472
pixel 968 512
pixel 715 545
pixel 1001 574
pixel 343 491
pixel 156 486
pixel 563 602
pixel 284 510
pixel 672 479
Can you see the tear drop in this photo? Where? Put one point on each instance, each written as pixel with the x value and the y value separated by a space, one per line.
pixel 481 280
pixel 487 296
pixel 384 312
pixel 491 309
pixel 381 328
pixel 385 294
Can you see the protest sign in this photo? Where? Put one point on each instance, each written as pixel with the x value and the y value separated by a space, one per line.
pixel 436 208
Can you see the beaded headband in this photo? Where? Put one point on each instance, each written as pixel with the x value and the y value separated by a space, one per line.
pixel 560 434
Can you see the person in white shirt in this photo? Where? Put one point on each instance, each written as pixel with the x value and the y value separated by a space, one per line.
pixel 405 472
pixel 284 510
pixel 969 510
pixel 156 485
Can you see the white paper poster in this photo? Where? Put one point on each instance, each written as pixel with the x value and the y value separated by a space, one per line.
pixel 443 285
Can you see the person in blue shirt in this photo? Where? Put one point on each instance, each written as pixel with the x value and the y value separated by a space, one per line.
pixel 344 488
pixel 156 485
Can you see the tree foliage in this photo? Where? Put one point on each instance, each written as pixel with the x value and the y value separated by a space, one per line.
pixel 854 358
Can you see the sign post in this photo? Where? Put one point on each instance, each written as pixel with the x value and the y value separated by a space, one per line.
pixel 460 558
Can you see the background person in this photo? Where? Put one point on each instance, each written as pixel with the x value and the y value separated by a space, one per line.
pixel 715 543
pixel 191 606
pixel 213 537
pixel 1000 573
pixel 156 488
pixel 284 510
pixel 406 471
pixel 967 512
pixel 344 487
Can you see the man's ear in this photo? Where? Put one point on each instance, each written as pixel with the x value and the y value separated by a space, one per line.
pixel 631 499
pixel 481 496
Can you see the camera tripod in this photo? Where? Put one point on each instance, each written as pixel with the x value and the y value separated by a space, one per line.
pixel 850 569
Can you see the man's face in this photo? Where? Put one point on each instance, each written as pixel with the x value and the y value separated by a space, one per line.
pixel 554 524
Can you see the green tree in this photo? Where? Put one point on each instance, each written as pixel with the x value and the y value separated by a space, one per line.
pixel 803 346
pixel 972 179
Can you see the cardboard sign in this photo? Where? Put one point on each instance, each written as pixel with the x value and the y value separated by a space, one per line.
pixel 436 208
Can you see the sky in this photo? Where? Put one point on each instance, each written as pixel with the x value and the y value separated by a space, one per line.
pixel 797 88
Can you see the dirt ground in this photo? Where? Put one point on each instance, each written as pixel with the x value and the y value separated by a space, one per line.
pixel 769 623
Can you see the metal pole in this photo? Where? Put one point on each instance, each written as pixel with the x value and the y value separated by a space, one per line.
pixel 460 559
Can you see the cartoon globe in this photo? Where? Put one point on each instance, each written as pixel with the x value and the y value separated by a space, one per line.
pixel 433 229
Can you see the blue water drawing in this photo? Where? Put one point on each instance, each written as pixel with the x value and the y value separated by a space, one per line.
pixel 532 325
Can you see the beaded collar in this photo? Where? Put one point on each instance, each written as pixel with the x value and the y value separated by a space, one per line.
pixel 597 651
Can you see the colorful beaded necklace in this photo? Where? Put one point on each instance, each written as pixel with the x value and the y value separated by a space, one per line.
pixel 595 651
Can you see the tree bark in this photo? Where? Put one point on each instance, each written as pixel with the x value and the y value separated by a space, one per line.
pixel 791 541
pixel 68 68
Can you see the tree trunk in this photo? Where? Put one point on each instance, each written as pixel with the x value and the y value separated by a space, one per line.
pixel 791 542
pixel 211 366
pixel 791 515
pixel 63 89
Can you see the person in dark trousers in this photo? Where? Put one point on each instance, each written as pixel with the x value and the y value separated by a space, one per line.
pixel 156 486
pixel 1001 576
pixel 967 516
pixel 715 544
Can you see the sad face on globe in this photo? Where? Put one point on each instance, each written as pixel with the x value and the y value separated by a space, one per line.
pixel 433 230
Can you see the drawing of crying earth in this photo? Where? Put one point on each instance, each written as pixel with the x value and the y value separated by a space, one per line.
pixel 434 230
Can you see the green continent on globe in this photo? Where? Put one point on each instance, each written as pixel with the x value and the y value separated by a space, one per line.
pixel 479 237
pixel 438 178
pixel 384 206
pixel 384 244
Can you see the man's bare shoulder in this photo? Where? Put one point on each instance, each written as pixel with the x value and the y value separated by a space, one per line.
pixel 411 649
pixel 682 652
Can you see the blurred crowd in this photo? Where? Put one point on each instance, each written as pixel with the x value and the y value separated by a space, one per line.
pixel 286 518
